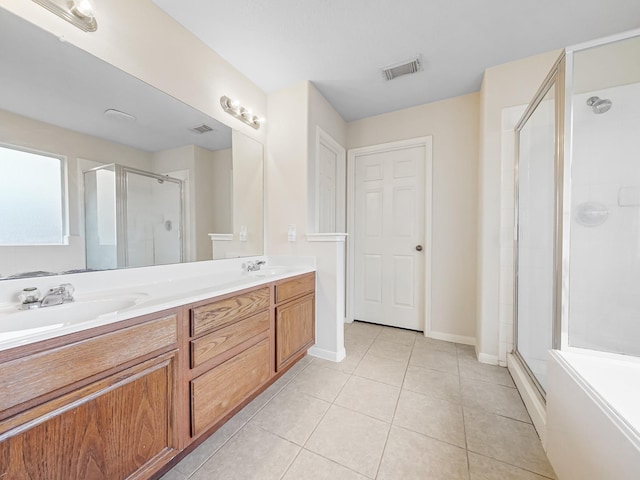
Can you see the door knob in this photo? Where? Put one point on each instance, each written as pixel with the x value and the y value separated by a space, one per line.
pixel 419 248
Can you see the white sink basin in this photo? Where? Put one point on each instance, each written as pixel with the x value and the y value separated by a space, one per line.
pixel 271 271
pixel 47 318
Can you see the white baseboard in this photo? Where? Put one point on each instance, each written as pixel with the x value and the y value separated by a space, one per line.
pixel 449 337
pixel 489 359
pixel 327 354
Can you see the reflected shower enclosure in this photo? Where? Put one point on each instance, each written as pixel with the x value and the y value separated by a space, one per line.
pixel 133 218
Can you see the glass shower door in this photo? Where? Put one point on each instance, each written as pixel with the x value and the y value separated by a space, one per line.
pixel 153 230
pixel 536 234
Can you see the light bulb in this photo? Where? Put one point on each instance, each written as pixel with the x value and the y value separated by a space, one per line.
pixel 83 8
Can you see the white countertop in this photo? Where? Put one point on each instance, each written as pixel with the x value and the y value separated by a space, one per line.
pixel 97 302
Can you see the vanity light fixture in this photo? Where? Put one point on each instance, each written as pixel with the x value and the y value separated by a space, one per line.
pixel 80 13
pixel 234 108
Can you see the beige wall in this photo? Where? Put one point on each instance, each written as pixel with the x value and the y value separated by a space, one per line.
pixel 139 38
pixel 248 195
pixel 600 67
pixel 507 85
pixel 453 124
pixel 222 191
pixel 286 167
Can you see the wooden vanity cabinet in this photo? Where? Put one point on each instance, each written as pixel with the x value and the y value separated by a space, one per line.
pixel 230 350
pixel 102 407
pixel 295 318
pixel 129 400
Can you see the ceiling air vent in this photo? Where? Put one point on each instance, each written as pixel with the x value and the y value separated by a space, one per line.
pixel 201 129
pixel 413 65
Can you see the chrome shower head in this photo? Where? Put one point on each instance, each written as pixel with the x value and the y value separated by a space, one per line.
pixel 599 105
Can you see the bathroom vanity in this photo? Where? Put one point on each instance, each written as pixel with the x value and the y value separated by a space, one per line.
pixel 129 398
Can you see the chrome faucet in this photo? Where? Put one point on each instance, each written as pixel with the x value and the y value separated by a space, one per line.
pixel 253 266
pixel 30 297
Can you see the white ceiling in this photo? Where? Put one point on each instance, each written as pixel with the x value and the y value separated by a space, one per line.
pixel 340 45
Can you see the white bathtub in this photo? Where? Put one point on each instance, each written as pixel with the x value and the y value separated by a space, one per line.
pixel 593 415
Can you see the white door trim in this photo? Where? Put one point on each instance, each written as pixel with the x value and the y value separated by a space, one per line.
pixel 352 156
pixel 323 138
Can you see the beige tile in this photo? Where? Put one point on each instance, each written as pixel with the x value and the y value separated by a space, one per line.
pixel 261 400
pixel 468 351
pixel 390 350
pixel 291 415
pixel 252 453
pixel 433 344
pixel 381 369
pixel 211 445
pixel 471 368
pixel 433 383
pixel 347 365
pixel 430 416
pixel 434 359
pixel 372 398
pixel 320 382
pixel 297 368
pixel 173 474
pixel 351 439
pixel 398 335
pixel 363 329
pixel 504 439
pixel 357 344
pixel 484 468
pixel 409 455
pixel 493 398
pixel 309 466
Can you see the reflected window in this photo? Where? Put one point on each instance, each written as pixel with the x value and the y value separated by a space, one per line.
pixel 32 198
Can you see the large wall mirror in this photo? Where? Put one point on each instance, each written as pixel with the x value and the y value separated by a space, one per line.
pixel 99 170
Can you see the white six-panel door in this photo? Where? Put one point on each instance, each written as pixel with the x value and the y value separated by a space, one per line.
pixel 388 244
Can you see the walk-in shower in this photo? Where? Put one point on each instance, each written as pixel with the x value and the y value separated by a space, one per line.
pixel 133 218
pixel 577 229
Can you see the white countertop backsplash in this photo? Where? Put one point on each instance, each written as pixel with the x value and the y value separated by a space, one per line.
pixel 155 288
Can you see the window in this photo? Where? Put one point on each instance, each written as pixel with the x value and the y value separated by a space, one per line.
pixel 32 198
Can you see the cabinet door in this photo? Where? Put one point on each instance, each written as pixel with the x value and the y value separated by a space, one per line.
pixel 218 391
pixel 119 427
pixel 295 329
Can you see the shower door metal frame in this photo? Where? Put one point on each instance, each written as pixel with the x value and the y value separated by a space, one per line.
pixel 121 207
pixel 556 80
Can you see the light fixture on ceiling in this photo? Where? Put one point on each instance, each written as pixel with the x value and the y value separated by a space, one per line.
pixel 234 108
pixel 119 116
pixel 80 13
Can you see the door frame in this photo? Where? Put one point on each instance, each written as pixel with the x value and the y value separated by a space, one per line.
pixel 323 138
pixel 352 156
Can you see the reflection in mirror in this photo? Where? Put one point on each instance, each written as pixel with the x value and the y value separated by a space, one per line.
pixel 248 191
pixel 60 102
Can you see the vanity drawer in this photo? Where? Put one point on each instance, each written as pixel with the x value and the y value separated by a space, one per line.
pixel 219 314
pixel 295 287
pixel 35 375
pixel 213 344
pixel 218 391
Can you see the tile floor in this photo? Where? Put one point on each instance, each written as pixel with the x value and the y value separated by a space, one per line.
pixel 400 406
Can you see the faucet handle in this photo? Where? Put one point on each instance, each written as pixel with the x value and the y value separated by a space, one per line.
pixel 29 295
pixel 67 290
